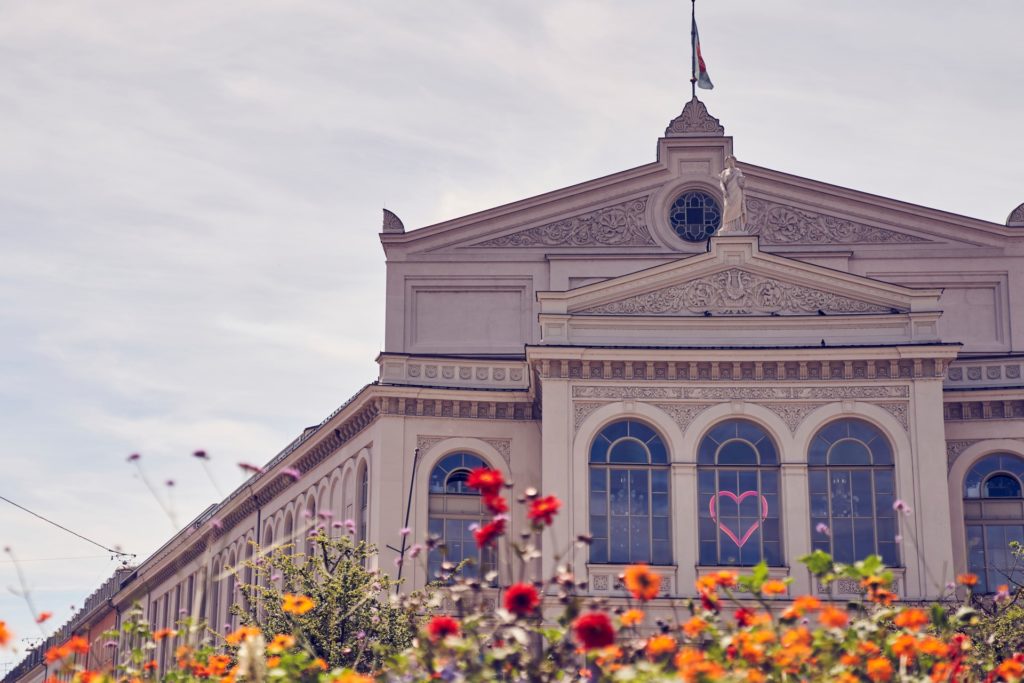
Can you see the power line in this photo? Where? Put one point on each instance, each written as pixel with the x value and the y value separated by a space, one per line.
pixel 53 559
pixel 64 528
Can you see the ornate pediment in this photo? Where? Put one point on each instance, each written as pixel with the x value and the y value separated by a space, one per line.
pixel 694 121
pixel 735 292
pixel 618 225
pixel 780 224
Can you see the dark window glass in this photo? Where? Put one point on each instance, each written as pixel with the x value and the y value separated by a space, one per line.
pixel 695 216
pixel 738 496
pixel 629 496
pixel 851 487
pixel 990 523
pixel 455 510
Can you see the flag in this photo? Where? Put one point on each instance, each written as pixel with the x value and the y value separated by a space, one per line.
pixel 700 71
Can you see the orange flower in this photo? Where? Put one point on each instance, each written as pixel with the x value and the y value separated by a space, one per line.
pixel 320 663
pixel 280 643
pixel 879 669
pixel 163 633
pixel 218 664
pixel 351 677
pixel 692 665
pixel 905 645
pixel 773 587
pixel 801 605
pixel 181 652
pixel 56 653
pixel 244 633
pixel 694 627
pixel 940 672
pixel 5 634
pixel 882 597
pixel 755 676
pixel 642 582
pixel 873 582
pixel 796 636
pixel 273 661
pixel 846 677
pixel 660 645
pixel 932 646
pixel 151 665
pixel 87 676
pixel 913 619
pixel 78 645
pixel 849 659
pixel 832 617
pixel 967 579
pixel 296 604
pixel 1011 669
pixel 867 648
pixel 725 578
pixel 43 616
pixel 631 617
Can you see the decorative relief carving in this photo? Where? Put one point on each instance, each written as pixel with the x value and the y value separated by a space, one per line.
pixel 582 410
pixel 956 374
pixel 425 443
pixel 1013 372
pixel 955 448
pixel 994 372
pixel 898 410
pixel 792 413
pixel 503 446
pixel 516 374
pixel 683 413
pixel 1016 217
pixel 694 121
pixel 781 224
pixel 735 292
pixel 599 582
pixel 728 393
pixel 619 225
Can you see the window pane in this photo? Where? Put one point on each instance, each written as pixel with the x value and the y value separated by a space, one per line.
pixel 640 539
pixel 618 540
pixel 659 528
pixel 659 504
pixel 599 526
pixel 629 451
pixel 598 503
pixel 659 480
pixel 616 430
pixel 638 492
pixel 842 540
pixel 599 550
pixel 1002 486
pixel 737 453
pixel 619 491
pixel 863 502
pixel 659 454
pixel 849 452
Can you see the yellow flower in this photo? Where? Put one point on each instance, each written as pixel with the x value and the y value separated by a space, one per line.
pixel 631 617
pixel 280 643
pixel 244 633
pixel 642 582
pixel 296 604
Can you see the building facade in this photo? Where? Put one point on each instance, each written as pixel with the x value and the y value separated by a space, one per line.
pixel 843 373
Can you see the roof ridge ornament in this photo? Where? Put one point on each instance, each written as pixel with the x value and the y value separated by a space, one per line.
pixel 1016 217
pixel 694 121
pixel 392 223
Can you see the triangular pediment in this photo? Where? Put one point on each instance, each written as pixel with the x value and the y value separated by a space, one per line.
pixel 735 281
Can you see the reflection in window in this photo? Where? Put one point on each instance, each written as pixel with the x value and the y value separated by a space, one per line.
pixel 852 491
pixel 993 518
pixel 738 496
pixel 364 500
pixel 629 495
pixel 455 510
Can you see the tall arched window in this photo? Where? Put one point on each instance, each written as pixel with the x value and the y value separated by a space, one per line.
pixel 852 490
pixel 993 518
pixel 455 509
pixel 364 500
pixel 629 495
pixel 738 496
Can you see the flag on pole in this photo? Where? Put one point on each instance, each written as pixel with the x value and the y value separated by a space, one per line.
pixel 700 71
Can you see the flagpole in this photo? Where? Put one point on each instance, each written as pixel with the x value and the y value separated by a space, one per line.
pixel 693 57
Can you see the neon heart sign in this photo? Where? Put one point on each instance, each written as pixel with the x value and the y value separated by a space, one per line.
pixel 738 499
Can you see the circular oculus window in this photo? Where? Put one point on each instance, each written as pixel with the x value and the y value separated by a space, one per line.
pixel 695 216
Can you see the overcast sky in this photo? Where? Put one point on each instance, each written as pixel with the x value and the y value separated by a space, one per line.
pixel 190 196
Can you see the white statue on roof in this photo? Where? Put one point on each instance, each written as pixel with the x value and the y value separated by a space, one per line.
pixel 734 213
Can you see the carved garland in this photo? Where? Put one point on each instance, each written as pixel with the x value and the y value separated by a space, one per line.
pixel 619 225
pixel 735 292
pixel 781 224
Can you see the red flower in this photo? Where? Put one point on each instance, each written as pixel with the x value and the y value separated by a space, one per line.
pixel 594 631
pixel 486 480
pixel 544 509
pixel 496 504
pixel 488 533
pixel 441 627
pixel 521 599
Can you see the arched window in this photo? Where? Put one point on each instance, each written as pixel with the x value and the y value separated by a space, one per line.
pixel 364 500
pixel 629 495
pixel 993 518
pixel 738 496
pixel 455 509
pixel 852 490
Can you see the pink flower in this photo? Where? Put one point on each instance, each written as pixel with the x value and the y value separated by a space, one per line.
pixel 415 550
pixel 249 467
pixel 405 531
pixel 901 506
pixel 822 528
pixel 291 472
